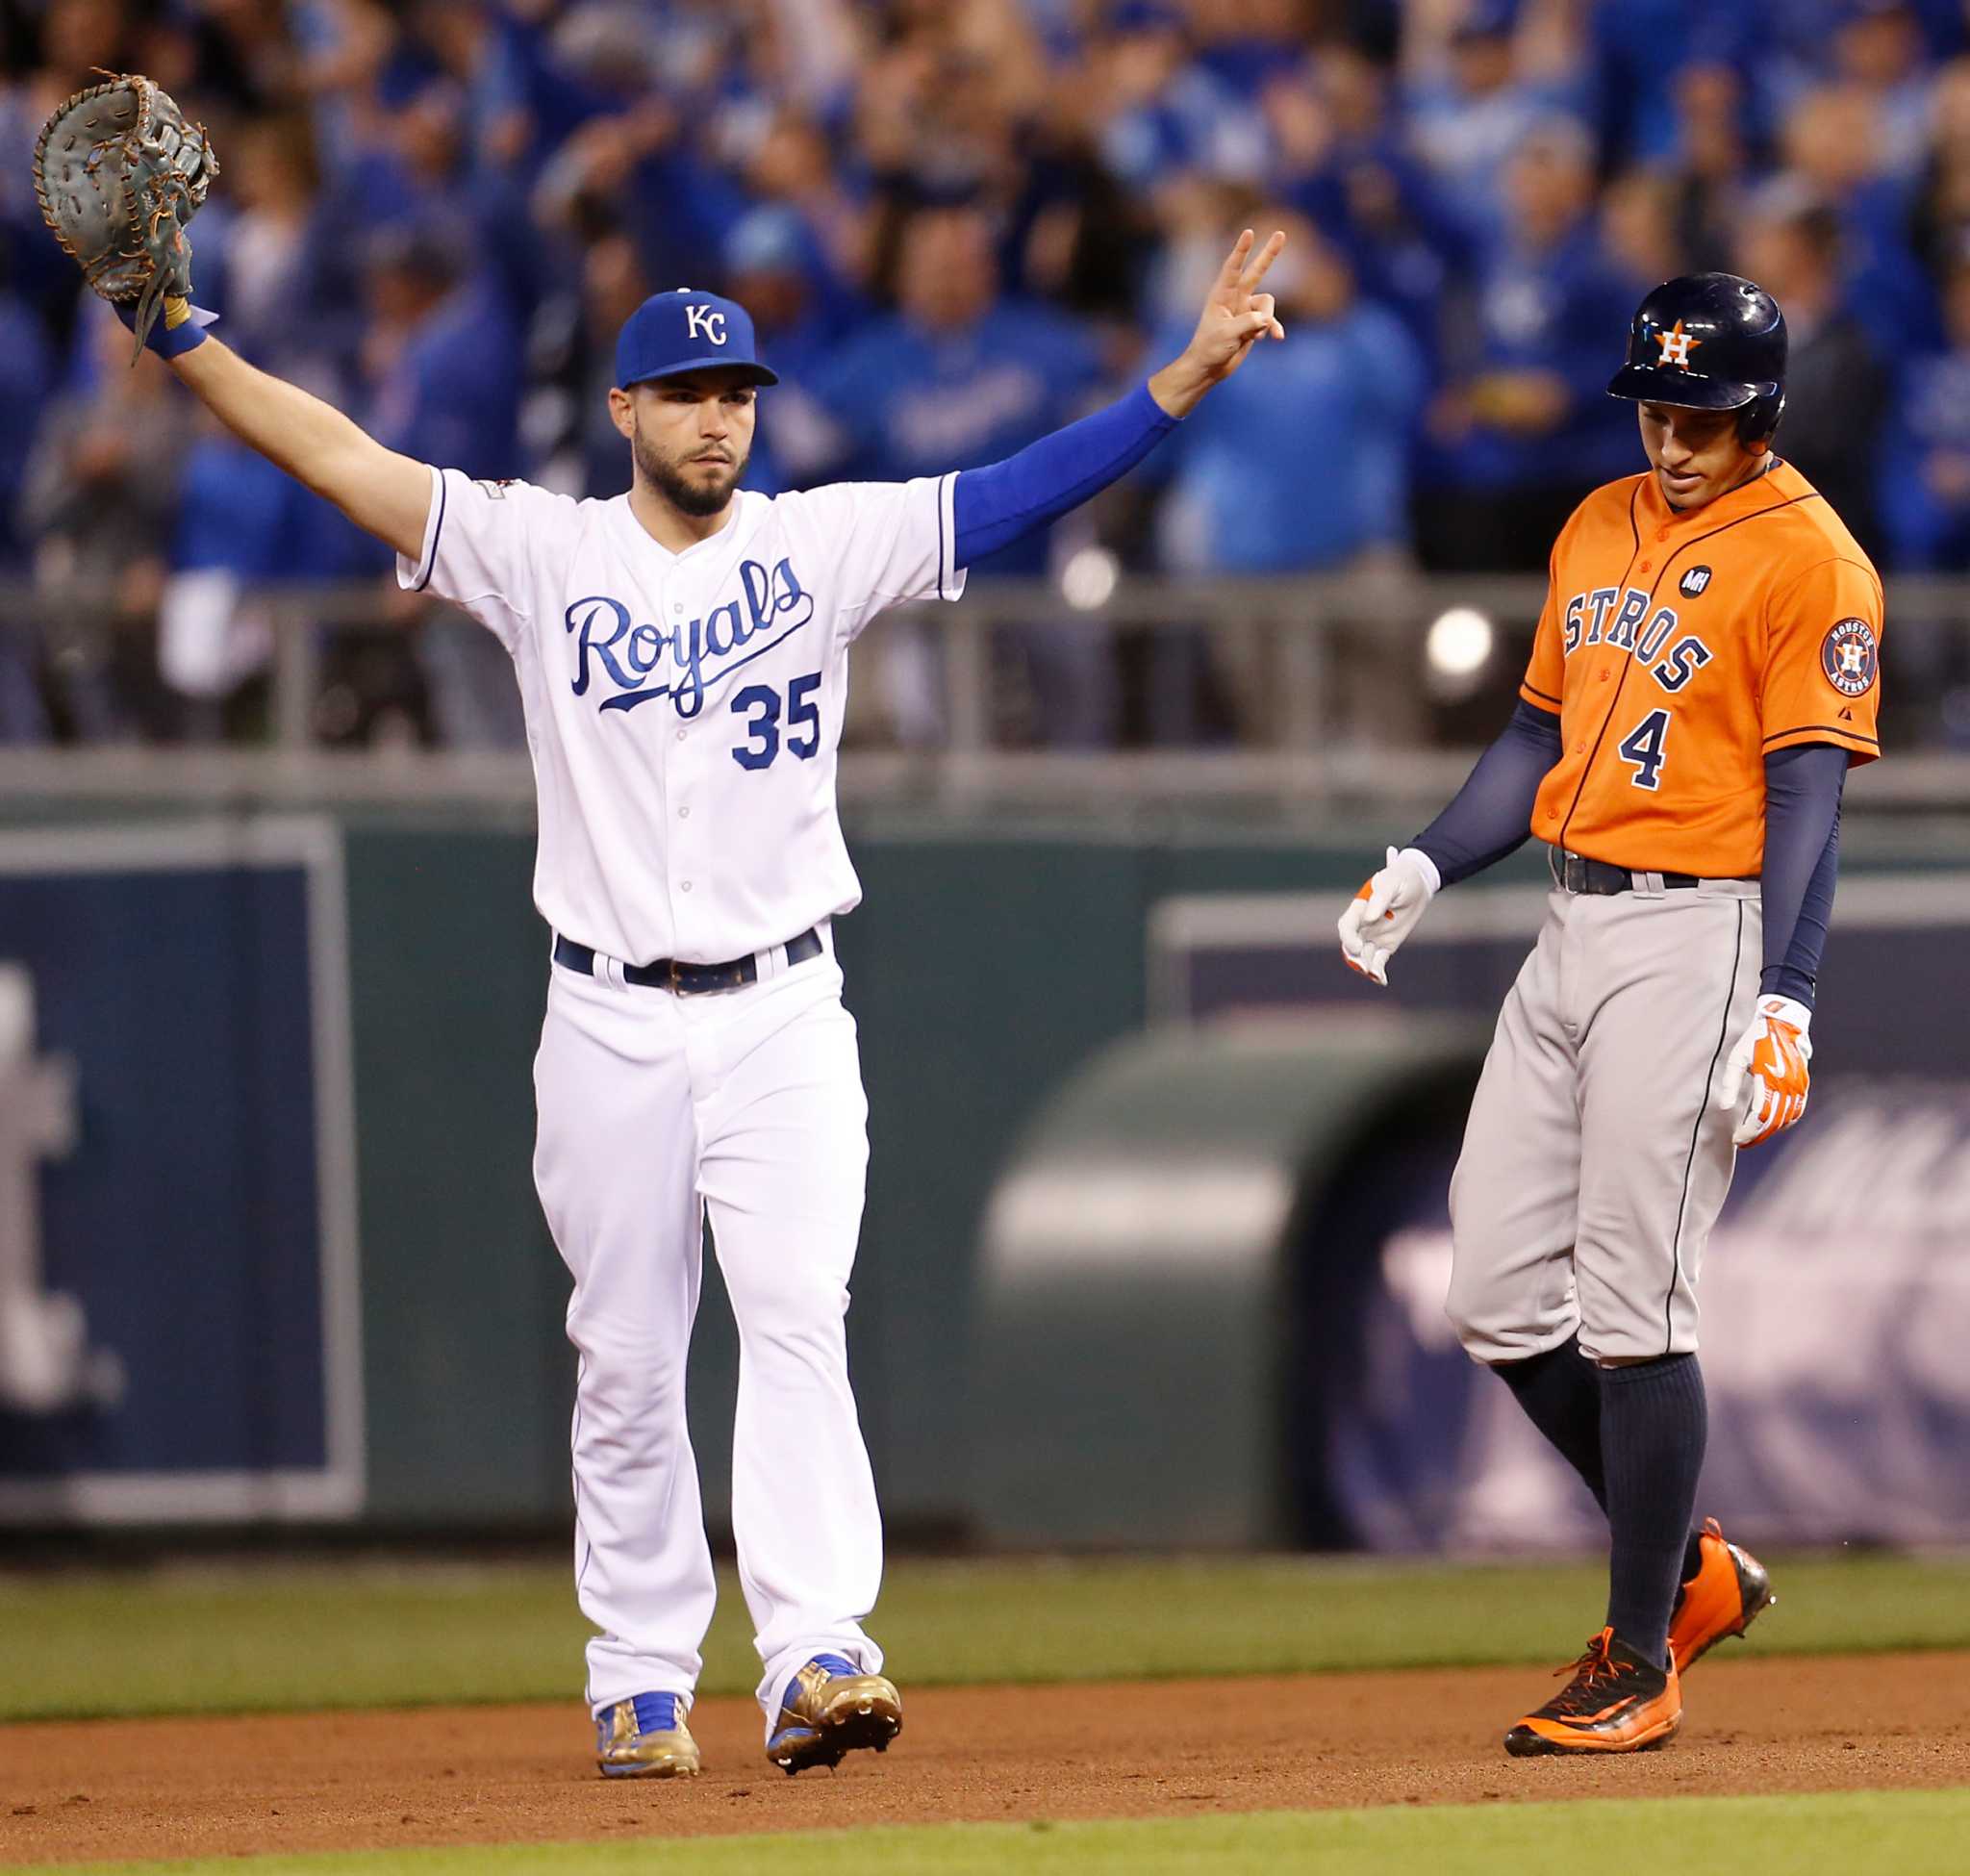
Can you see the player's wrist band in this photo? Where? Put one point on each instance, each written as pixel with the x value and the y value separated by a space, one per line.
pixel 1426 864
pixel 177 330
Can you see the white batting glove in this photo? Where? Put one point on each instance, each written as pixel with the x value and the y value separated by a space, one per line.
pixel 1386 910
pixel 1766 1074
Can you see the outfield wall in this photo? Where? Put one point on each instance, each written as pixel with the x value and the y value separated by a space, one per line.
pixel 369 1327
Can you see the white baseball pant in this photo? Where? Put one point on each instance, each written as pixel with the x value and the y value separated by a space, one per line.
pixel 656 1110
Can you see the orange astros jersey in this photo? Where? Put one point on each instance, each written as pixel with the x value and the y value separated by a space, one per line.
pixel 1681 649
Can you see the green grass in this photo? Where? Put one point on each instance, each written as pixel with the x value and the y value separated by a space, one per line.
pixel 283 1638
pixel 1856 1833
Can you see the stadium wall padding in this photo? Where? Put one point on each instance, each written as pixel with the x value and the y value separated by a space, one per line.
pixel 1139 1318
pixel 989 965
pixel 982 972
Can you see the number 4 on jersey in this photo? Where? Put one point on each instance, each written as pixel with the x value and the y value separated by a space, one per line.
pixel 1643 746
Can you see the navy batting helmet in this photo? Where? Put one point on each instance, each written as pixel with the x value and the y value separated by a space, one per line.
pixel 1709 341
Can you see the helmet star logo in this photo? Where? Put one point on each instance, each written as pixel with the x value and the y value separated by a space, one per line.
pixel 1677 345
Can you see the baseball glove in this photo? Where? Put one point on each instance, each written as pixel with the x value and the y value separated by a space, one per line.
pixel 118 173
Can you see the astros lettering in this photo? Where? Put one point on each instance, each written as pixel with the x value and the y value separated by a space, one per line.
pixel 1624 630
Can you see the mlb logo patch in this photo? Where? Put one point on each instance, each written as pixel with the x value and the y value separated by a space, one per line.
pixel 1693 582
pixel 1850 658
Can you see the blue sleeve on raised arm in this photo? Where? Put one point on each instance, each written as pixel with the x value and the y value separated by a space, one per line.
pixel 1491 815
pixel 1801 860
pixel 995 506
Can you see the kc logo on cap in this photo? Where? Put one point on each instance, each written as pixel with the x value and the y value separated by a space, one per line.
pixel 687 330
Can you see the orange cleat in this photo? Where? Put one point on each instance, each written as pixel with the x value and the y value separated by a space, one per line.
pixel 1723 1599
pixel 1616 1702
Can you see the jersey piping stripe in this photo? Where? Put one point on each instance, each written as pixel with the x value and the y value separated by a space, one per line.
pixel 581 1569
pixel 437 534
pixel 1534 694
pixel 1755 515
pixel 1831 729
pixel 1696 1133
pixel 941 593
pixel 1846 560
pixel 1675 553
pixel 1620 684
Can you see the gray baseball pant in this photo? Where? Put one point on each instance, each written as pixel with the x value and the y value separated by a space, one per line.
pixel 1594 1162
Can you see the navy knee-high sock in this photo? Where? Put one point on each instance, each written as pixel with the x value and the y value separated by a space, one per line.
pixel 1654 1423
pixel 1560 1391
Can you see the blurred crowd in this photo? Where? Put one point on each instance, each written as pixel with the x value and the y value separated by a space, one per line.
pixel 960 223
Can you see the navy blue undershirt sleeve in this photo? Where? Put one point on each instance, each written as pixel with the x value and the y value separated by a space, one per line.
pixel 1491 815
pixel 993 506
pixel 1802 788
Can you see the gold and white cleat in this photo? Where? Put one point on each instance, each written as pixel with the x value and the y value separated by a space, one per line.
pixel 830 1709
pixel 645 1737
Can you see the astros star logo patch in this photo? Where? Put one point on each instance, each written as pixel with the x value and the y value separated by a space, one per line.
pixel 1677 345
pixel 1849 657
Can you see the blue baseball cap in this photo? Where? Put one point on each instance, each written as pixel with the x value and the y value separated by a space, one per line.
pixel 683 331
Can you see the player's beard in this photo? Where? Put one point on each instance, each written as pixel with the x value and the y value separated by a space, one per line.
pixel 666 476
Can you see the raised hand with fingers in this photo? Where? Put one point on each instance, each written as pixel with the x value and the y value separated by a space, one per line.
pixel 1236 315
pixel 1771 1060
pixel 1386 910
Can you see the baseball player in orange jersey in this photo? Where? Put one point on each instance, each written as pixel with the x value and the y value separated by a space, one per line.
pixel 1705 669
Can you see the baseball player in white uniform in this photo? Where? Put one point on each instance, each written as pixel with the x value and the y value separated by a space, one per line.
pixel 682 654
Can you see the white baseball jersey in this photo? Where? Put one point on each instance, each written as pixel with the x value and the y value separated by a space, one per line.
pixel 683 710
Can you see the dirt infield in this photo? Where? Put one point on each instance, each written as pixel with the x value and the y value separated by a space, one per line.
pixel 479 1775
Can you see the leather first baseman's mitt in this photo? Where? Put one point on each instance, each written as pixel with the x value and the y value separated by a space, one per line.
pixel 118 173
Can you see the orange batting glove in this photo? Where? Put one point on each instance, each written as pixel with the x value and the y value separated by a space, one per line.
pixel 1771 1058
